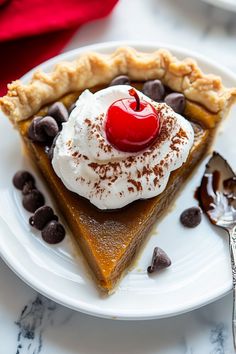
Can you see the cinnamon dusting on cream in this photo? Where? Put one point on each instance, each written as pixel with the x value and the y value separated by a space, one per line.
pixel 109 178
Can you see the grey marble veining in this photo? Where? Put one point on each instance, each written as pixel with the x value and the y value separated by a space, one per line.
pixel 32 324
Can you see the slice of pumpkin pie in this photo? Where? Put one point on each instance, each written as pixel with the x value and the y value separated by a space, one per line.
pixel 115 137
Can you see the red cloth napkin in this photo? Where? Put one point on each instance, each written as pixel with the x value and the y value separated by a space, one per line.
pixel 34 31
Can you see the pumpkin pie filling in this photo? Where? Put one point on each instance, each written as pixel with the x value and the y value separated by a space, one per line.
pixel 111 239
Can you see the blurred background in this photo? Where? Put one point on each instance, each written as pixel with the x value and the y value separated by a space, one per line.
pixel 33 31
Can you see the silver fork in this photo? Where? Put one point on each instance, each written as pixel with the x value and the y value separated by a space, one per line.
pixel 217 197
pixel 232 241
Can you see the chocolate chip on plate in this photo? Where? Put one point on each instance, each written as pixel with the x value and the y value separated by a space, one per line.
pixel 176 101
pixel 154 89
pixel 28 187
pixel 33 134
pixel 53 232
pixel 160 260
pixel 21 178
pixel 33 200
pixel 191 217
pixel 120 80
pixel 59 112
pixel 42 216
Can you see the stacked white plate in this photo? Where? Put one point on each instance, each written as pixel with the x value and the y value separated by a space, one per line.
pixel 224 4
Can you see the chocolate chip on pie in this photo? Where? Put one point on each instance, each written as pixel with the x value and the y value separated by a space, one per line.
pixel 176 101
pixel 154 89
pixel 59 112
pixel 120 80
pixel 43 129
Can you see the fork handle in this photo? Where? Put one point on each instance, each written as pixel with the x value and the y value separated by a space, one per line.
pixel 232 240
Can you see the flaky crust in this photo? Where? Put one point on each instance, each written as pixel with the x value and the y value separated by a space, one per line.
pixel 91 69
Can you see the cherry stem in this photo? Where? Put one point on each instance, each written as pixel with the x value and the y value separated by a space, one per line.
pixel 133 93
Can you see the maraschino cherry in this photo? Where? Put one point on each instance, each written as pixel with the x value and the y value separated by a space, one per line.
pixel 132 124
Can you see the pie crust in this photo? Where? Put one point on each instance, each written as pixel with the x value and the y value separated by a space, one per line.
pixel 89 70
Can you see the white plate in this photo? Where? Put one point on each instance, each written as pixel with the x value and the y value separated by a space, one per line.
pixel 224 4
pixel 200 270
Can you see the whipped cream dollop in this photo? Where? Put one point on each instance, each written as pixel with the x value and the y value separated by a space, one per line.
pixel 90 166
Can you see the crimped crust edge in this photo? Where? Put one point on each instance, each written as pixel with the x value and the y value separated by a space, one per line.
pixel 91 69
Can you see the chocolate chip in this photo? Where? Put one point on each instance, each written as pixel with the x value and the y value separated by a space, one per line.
pixel 33 200
pixel 47 126
pixel 59 112
pixel 160 260
pixel 33 134
pixel 71 107
pixel 154 89
pixel 43 129
pixel 53 232
pixel 21 178
pixel 28 187
pixel 191 217
pixel 31 220
pixel 51 150
pixel 176 101
pixel 120 80
pixel 42 216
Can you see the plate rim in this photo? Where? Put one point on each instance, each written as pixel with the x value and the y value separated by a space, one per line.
pixel 25 275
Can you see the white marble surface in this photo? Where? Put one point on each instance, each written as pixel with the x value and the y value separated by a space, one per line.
pixel 31 324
